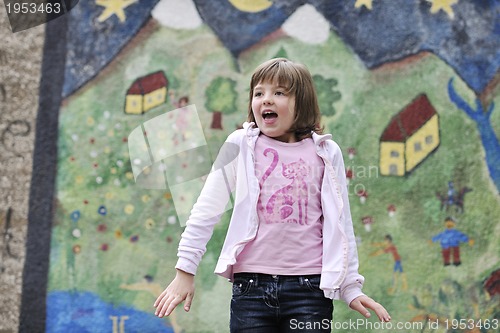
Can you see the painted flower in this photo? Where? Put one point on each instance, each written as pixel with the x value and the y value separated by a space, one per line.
pixel 149 224
pixel 76 233
pixel 367 222
pixel 391 210
pixel 352 152
pixel 129 209
pixel 77 249
pixel 75 215
pixel 102 210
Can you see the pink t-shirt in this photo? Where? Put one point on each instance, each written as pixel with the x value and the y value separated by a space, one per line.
pixel 289 238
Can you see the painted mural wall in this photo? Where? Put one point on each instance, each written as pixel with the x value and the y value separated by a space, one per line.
pixel 409 90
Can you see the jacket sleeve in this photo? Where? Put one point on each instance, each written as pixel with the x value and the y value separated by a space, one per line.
pixel 353 282
pixel 210 205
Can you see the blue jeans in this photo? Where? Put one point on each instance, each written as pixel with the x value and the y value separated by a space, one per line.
pixel 264 303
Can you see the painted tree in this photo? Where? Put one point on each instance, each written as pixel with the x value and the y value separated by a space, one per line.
pixel 281 53
pixel 488 136
pixel 327 96
pixel 221 99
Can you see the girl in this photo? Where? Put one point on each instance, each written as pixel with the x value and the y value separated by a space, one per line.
pixel 290 247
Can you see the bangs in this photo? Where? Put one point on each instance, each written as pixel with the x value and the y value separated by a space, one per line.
pixel 277 71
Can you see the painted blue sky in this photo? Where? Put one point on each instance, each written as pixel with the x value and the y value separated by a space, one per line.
pixel 467 38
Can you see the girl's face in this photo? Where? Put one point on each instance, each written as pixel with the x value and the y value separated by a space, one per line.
pixel 274 111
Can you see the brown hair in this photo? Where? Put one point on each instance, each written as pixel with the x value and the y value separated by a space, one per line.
pixel 297 80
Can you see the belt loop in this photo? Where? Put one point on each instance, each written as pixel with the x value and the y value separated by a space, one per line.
pixel 301 280
pixel 256 279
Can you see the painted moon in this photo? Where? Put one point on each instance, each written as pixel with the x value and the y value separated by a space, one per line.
pixel 251 6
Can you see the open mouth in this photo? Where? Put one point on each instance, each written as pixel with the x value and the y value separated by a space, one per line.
pixel 269 115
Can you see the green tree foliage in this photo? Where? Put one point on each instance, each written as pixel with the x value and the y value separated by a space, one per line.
pixel 221 95
pixel 221 99
pixel 327 96
pixel 281 53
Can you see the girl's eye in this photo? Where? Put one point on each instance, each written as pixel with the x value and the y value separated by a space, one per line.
pixel 257 94
pixel 280 93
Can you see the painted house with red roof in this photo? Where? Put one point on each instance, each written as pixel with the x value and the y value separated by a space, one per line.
pixel 409 138
pixel 146 93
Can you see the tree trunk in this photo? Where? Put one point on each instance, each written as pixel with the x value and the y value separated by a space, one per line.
pixel 216 120
pixel 491 147
pixel 481 115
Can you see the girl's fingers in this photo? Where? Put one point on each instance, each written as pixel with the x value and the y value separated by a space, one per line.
pixel 363 302
pixel 356 305
pixel 380 311
pixel 383 315
pixel 159 298
pixel 187 303
pixel 159 306
pixel 173 304
pixel 168 304
pixel 162 309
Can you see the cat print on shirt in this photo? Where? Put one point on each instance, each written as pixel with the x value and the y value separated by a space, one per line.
pixel 281 204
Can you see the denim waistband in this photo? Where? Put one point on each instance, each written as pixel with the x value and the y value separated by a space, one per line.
pixel 259 277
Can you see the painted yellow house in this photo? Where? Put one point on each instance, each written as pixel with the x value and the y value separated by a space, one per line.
pixel 409 138
pixel 146 93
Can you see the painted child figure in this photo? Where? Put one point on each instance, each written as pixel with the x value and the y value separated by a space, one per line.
pixel 290 247
pixel 388 246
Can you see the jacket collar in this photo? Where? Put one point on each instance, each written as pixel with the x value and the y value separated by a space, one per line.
pixel 320 138
pixel 253 131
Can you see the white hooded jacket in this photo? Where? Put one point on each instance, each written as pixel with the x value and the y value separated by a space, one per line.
pixel 234 172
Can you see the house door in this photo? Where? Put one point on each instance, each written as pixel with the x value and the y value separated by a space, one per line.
pixel 393 169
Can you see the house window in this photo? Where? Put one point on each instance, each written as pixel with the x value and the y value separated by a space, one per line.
pixel 394 154
pixel 417 146
pixel 429 139
pixel 393 169
pixel 150 99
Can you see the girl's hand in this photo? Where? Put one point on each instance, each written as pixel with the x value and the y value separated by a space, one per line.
pixel 361 304
pixel 180 289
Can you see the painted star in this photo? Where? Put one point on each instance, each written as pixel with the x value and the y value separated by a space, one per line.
pixel 115 7
pixel 366 3
pixel 444 5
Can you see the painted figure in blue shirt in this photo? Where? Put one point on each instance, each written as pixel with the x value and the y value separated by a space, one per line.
pixel 450 240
